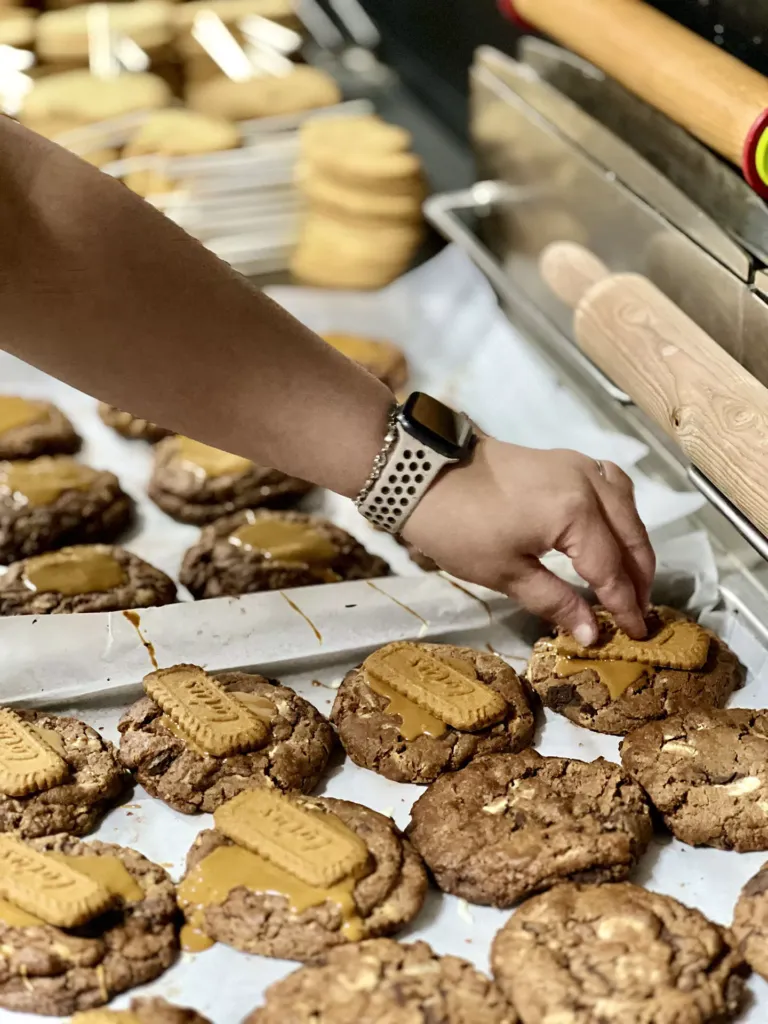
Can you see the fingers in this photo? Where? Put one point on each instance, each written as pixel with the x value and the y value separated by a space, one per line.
pixel 551 598
pixel 598 558
pixel 615 492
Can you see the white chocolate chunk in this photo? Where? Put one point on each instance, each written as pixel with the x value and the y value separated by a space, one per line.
pixel 679 747
pixel 741 786
pixel 497 806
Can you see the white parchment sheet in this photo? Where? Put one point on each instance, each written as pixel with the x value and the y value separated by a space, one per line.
pixel 462 348
pixel 707 879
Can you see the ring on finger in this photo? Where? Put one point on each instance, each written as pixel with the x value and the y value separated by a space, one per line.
pixel 600 468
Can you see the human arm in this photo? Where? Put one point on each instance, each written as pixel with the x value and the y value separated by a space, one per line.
pixel 102 291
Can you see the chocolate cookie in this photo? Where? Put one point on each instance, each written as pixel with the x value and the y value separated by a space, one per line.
pixel 616 954
pixel 132 427
pixel 383 982
pixel 245 901
pixel 706 771
pixel 197 484
pixel 144 1011
pixel 387 732
pixel 51 502
pixel 261 550
pixel 190 780
pixel 53 971
pixel 88 578
pixel 381 358
pixel 29 427
pixel 91 776
pixel 616 696
pixel 509 825
pixel 750 922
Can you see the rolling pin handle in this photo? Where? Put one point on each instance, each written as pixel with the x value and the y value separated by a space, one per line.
pixel 507 10
pixel 754 162
pixel 570 270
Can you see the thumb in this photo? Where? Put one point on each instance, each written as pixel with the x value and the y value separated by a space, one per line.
pixel 551 598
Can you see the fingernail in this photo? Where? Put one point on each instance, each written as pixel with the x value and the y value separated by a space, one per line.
pixel 585 634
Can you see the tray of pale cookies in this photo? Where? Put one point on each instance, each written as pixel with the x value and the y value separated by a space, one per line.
pixel 209 111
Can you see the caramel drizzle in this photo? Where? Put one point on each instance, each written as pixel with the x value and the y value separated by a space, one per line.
pixel 405 607
pixel 206 461
pixel 39 482
pixel 415 721
pixel 19 412
pixel 227 868
pixel 283 540
pixel 74 571
pixel 306 618
pixel 149 647
pixel 616 676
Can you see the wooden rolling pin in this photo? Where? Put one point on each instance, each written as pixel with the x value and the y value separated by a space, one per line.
pixel 716 97
pixel 676 373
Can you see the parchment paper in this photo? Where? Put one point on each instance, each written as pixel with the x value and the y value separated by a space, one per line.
pixel 707 879
pixel 462 348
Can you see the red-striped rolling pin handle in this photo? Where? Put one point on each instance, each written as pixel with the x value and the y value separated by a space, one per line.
pixel 754 162
pixel 507 9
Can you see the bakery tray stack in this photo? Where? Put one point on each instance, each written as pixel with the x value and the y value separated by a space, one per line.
pixel 376 826
pixel 196 107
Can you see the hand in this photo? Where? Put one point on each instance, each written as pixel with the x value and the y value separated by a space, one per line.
pixel 490 521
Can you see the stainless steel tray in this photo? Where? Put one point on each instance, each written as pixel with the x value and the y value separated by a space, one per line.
pixel 591 187
pixel 742 550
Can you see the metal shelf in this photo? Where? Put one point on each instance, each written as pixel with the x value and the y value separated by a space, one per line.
pixel 445 212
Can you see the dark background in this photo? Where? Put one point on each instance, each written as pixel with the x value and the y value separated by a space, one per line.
pixel 430 42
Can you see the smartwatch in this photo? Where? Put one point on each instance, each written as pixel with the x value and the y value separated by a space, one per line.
pixel 423 437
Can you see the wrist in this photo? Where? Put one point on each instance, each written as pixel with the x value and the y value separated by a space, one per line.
pixel 444 496
pixel 364 441
pixel 423 438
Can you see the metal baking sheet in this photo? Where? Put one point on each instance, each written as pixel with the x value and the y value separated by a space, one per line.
pixel 704 878
pixel 462 348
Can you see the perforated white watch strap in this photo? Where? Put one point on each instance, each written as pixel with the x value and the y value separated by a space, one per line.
pixel 403 480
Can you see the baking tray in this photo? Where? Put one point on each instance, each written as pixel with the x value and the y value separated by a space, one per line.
pixel 705 878
pixel 461 348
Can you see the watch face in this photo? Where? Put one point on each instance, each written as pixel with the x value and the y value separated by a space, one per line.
pixel 435 425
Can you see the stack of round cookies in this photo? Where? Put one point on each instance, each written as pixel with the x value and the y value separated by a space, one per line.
pixel 364 190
